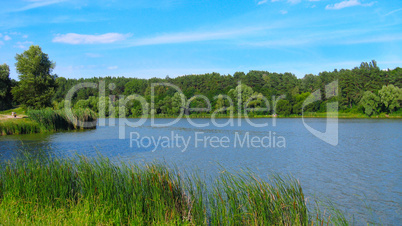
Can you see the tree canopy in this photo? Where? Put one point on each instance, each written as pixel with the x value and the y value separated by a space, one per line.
pixel 5 87
pixel 352 85
pixel 37 85
pixel 365 89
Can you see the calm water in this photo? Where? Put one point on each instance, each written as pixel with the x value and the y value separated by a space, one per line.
pixel 362 174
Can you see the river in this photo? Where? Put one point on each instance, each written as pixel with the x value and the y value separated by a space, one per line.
pixel 362 174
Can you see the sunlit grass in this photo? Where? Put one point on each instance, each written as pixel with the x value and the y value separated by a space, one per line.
pixel 47 120
pixel 19 126
pixel 20 111
pixel 44 190
pixel 56 120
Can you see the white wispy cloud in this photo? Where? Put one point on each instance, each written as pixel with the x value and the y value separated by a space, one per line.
pixel 112 67
pixel 93 55
pixel 294 1
pixel 375 39
pixel 38 3
pixel 283 12
pixel 338 37
pixel 73 38
pixel 23 45
pixel 347 3
pixel 393 11
pixel 7 38
pixel 195 36
pixel 288 1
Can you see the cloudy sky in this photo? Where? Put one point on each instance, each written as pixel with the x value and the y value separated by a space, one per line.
pixel 155 38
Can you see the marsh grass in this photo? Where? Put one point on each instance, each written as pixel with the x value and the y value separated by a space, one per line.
pixel 45 190
pixel 19 126
pixel 48 120
pixel 56 120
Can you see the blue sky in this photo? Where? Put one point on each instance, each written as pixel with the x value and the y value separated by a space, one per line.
pixel 155 38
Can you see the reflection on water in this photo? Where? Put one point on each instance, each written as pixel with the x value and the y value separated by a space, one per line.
pixel 363 171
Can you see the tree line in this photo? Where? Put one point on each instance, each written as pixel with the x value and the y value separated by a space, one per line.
pixel 363 89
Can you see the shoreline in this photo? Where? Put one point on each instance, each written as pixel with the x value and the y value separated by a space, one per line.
pixel 10 118
pixel 269 116
pixel 22 124
pixel 44 121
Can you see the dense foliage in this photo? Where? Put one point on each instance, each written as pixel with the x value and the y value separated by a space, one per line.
pixel 37 85
pixel 5 87
pixel 284 92
pixel 364 89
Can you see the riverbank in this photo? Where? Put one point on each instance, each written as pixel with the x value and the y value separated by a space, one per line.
pixel 55 120
pixel 396 115
pixel 43 190
pixel 45 120
pixel 7 114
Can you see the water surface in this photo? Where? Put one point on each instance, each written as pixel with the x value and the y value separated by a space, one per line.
pixel 362 174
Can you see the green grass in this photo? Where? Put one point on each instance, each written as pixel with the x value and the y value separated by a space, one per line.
pixel 19 126
pixel 44 190
pixel 394 115
pixel 46 120
pixel 19 111
pixel 56 120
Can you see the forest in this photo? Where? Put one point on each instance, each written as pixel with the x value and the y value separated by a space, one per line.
pixel 365 89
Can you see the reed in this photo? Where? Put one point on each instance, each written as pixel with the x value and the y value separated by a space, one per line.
pixel 20 126
pixel 56 120
pixel 43 190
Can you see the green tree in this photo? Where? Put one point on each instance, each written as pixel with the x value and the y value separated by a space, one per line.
pixel 5 87
pixel 240 94
pixel 165 106
pixel 283 107
pixel 390 97
pixel 177 104
pixel 37 84
pixel 82 104
pixel 299 99
pixel 135 86
pixel 370 103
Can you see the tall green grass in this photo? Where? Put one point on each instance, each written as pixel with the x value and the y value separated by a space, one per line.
pixel 95 191
pixel 19 126
pixel 56 120
pixel 48 120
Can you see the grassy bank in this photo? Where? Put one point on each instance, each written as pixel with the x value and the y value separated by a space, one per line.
pixel 46 120
pixel 19 126
pixel 56 120
pixel 20 112
pixel 395 115
pixel 96 191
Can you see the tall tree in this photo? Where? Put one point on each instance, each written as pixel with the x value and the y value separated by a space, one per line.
pixel 5 87
pixel 370 102
pixel 37 84
pixel 390 97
